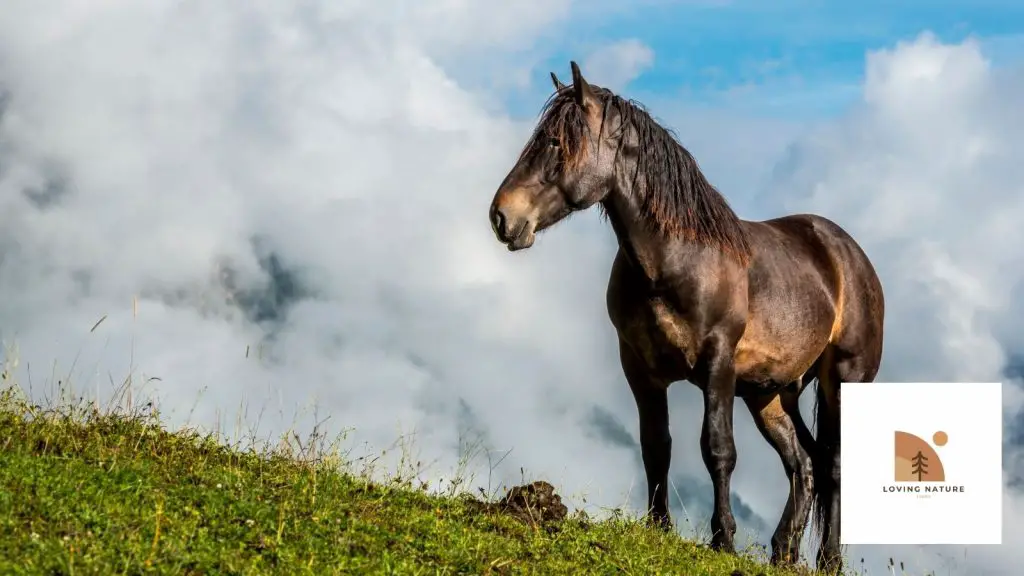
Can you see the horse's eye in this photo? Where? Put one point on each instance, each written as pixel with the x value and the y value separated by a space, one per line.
pixel 554 142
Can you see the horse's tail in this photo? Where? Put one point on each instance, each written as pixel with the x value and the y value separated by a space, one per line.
pixel 818 501
pixel 826 447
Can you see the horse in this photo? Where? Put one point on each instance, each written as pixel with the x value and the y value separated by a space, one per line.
pixel 742 309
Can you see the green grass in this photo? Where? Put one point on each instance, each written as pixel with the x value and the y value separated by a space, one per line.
pixel 87 492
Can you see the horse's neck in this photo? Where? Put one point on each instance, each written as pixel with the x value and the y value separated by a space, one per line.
pixel 645 247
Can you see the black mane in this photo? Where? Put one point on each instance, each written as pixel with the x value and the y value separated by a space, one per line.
pixel 676 199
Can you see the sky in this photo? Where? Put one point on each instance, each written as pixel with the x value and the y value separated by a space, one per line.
pixel 279 209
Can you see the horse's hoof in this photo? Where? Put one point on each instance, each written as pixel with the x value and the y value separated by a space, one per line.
pixel 830 566
pixel 663 523
pixel 784 557
pixel 723 547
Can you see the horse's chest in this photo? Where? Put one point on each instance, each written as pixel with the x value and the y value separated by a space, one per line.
pixel 662 337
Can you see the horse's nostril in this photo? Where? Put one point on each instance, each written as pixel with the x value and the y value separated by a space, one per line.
pixel 499 221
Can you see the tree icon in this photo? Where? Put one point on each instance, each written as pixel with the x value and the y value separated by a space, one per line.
pixel 916 460
pixel 919 465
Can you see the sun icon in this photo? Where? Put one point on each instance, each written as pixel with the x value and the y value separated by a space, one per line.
pixel 940 438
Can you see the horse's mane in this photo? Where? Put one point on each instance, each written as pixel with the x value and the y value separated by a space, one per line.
pixel 675 197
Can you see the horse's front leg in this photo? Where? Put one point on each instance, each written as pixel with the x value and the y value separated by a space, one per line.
pixel 655 440
pixel 717 445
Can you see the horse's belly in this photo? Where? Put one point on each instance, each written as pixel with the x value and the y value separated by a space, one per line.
pixel 746 388
pixel 767 358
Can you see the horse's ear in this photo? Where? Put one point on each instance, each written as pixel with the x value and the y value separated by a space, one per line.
pixel 584 94
pixel 558 83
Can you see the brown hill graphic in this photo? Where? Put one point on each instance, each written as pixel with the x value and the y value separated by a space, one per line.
pixel 916 460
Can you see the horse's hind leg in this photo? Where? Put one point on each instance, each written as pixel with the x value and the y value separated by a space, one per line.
pixel 774 417
pixel 838 366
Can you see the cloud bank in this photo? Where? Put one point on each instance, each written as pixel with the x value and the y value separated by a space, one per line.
pixel 295 198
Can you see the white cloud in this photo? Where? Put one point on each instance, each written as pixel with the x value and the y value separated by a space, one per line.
pixel 202 156
pixel 617 64
pixel 190 145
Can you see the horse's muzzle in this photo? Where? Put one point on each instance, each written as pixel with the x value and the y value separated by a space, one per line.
pixel 514 232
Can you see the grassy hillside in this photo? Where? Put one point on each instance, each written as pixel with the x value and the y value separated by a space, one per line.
pixel 89 493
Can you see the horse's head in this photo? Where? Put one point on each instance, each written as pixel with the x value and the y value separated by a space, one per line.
pixel 567 165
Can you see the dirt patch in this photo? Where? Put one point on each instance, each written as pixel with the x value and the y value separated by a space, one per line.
pixel 534 503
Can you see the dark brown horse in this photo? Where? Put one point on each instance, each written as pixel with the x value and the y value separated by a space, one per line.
pixel 754 310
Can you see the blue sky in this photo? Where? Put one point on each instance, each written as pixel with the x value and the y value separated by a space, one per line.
pixel 792 59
